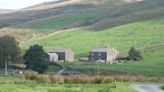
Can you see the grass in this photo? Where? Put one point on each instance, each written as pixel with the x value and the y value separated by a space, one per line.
pixel 13 85
pixel 64 21
pixel 81 41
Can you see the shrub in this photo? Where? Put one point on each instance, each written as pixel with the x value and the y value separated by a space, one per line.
pixel 134 54
pixel 121 78
pixel 162 87
pixel 87 79
pixel 108 80
pixel 44 79
pixel 98 80
pixel 56 79
pixel 30 75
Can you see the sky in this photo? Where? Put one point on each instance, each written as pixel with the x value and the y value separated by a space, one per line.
pixel 18 4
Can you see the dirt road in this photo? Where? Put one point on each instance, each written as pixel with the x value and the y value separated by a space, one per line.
pixel 147 88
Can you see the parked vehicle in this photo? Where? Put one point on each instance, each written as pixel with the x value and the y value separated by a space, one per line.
pixel 68 72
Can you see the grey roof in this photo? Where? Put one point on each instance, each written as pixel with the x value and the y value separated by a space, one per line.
pixel 112 50
pixel 52 54
pixel 101 50
pixel 59 50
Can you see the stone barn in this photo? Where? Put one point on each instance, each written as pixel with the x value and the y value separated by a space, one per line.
pixel 106 55
pixel 63 54
pixel 53 57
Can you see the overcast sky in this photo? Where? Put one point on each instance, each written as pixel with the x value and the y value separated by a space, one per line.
pixel 18 4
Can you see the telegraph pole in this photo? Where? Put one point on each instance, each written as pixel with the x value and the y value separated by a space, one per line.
pixel 6 65
pixel 98 69
pixel 6 68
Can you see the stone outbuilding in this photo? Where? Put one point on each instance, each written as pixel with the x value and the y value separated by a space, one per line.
pixel 106 55
pixel 53 57
pixel 62 54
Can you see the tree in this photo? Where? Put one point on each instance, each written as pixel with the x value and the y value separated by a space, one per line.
pixel 9 51
pixel 134 54
pixel 36 59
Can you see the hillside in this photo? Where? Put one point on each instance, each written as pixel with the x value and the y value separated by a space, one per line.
pixel 147 36
pixel 101 17
pixel 130 13
pixel 30 23
pixel 3 11
pixel 42 19
pixel 140 34
pixel 23 16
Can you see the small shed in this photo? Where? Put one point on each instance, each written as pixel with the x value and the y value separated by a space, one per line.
pixel 63 54
pixel 108 55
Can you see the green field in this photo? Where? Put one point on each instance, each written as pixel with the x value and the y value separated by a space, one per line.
pixel 17 85
pixel 152 65
pixel 81 41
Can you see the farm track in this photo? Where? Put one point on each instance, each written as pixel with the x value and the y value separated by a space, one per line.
pixel 51 34
pixel 147 88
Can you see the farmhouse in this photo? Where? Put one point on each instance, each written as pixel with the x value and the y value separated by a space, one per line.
pixel 61 54
pixel 107 55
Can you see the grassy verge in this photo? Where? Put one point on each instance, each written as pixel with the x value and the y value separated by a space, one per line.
pixel 85 79
pixel 17 85
pixel 35 87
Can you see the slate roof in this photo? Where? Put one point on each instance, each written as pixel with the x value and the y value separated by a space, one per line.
pixel 111 50
pixel 59 50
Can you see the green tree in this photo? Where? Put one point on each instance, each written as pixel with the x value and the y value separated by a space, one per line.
pixel 134 54
pixel 36 59
pixel 9 52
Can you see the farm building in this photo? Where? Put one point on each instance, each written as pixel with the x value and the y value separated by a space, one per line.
pixel 63 54
pixel 107 55
pixel 53 57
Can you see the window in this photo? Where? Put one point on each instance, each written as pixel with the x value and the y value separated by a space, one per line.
pixel 92 54
pixel 99 54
